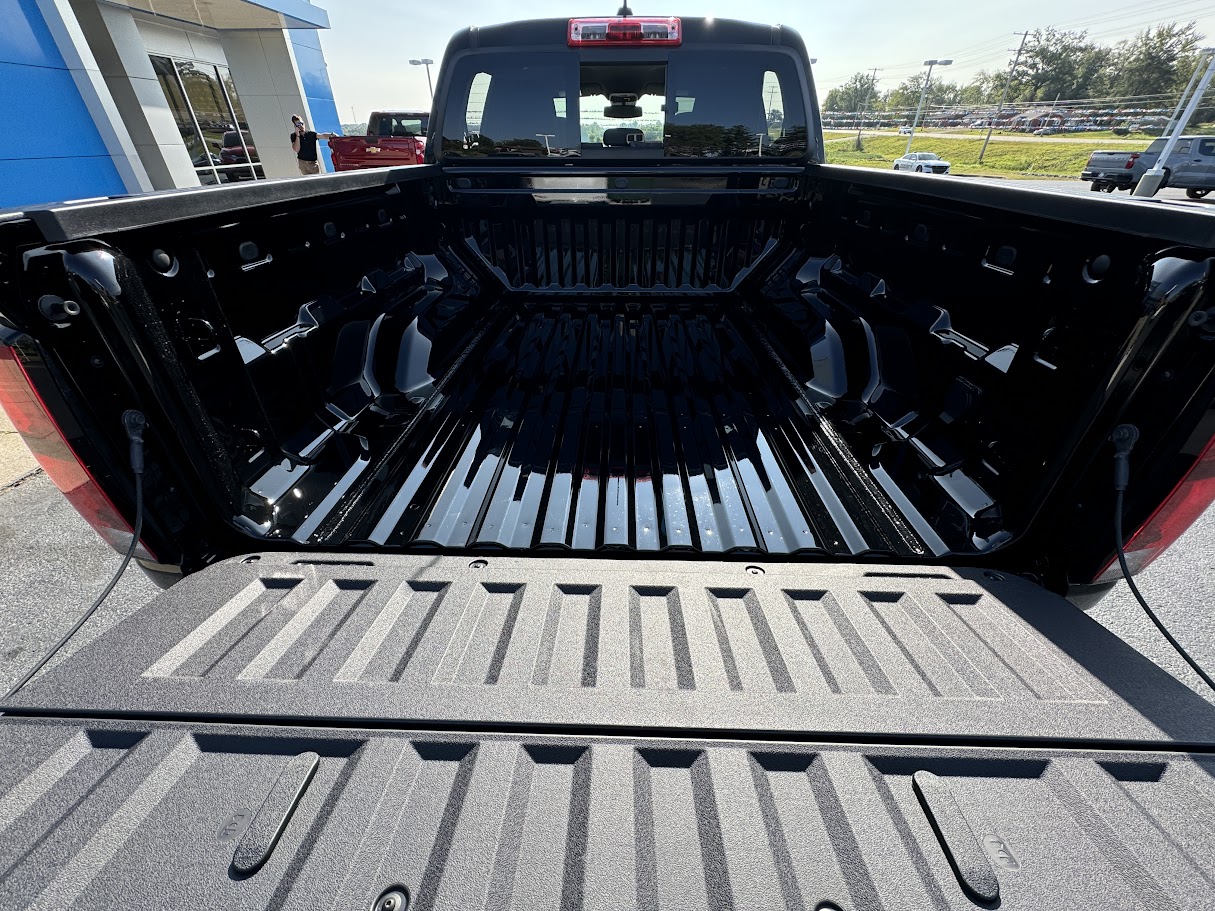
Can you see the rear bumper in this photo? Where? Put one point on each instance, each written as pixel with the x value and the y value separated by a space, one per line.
pixel 1117 178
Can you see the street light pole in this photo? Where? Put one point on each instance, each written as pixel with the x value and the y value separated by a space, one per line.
pixel 426 62
pixel 1149 184
pixel 923 95
pixel 1184 95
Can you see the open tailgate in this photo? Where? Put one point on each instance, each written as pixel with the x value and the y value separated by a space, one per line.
pixel 496 732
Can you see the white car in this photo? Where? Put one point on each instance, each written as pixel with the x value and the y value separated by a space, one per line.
pixel 922 162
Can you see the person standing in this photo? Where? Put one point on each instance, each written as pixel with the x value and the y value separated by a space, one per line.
pixel 303 144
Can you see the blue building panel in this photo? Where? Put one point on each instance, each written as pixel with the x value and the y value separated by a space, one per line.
pixel 304 13
pixel 24 37
pixel 50 148
pixel 33 181
pixel 314 76
pixel 43 115
pixel 314 73
pixel 306 37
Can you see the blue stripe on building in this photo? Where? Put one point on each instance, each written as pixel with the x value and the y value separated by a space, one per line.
pixel 49 148
pixel 314 75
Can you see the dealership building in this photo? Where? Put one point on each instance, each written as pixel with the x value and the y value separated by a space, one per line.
pixel 113 97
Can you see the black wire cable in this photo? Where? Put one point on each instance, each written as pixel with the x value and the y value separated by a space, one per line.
pixel 134 426
pixel 1126 572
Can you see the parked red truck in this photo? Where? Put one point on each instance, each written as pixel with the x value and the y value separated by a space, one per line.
pixel 393 138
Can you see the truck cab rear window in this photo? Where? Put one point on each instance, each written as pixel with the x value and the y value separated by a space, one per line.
pixel 684 104
pixel 398 125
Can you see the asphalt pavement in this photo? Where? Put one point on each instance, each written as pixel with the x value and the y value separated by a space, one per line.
pixel 15 459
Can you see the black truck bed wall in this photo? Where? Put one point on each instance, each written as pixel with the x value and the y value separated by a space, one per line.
pixel 763 359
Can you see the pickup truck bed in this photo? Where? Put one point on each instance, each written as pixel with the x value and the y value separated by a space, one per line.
pixel 765 363
pixel 637 427
pixel 289 731
pixel 577 524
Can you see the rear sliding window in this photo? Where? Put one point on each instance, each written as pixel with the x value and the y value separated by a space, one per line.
pixel 398 125
pixel 510 105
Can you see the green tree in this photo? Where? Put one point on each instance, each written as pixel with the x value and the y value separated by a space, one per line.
pixel 907 96
pixel 1059 64
pixel 1156 61
pixel 849 97
pixel 983 89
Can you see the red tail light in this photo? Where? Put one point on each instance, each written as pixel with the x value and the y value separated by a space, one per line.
pixel 1180 509
pixel 625 32
pixel 42 435
pixel 1130 162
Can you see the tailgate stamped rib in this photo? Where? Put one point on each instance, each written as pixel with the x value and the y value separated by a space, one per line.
pixel 581 644
pixel 275 812
pixel 534 821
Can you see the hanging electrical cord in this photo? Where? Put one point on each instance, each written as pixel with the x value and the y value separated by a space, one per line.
pixel 134 423
pixel 1124 438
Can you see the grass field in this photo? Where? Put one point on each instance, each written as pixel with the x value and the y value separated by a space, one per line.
pixel 1004 157
pixel 1104 135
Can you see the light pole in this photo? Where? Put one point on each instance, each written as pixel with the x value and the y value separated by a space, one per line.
pixel 1153 178
pixel 1168 130
pixel 426 62
pixel 923 95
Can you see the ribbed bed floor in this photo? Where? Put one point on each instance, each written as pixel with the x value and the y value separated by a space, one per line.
pixel 641 429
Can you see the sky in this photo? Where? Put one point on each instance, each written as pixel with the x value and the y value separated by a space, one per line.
pixel 371 42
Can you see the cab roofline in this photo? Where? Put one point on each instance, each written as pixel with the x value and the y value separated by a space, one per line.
pixel 554 32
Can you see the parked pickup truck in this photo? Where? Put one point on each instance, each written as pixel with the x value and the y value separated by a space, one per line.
pixel 393 138
pixel 1191 167
pixel 618 523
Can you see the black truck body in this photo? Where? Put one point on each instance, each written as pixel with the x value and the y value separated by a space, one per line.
pixel 619 522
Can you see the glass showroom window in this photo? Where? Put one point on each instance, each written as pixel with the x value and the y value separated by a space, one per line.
pixel 210 118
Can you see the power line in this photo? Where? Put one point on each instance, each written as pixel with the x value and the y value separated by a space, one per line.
pixel 1170 7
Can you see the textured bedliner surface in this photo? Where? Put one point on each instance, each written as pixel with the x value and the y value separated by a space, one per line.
pixel 558 643
pixel 560 733
pixel 111 815
pixel 645 429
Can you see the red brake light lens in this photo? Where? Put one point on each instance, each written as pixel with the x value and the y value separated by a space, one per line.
pixel 625 32
pixel 1180 509
pixel 45 440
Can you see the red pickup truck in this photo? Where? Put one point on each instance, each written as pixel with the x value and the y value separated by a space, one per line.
pixel 393 138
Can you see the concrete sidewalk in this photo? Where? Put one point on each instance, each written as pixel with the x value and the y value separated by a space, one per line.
pixel 15 459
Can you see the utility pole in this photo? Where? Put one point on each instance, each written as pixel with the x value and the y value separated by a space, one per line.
pixel 864 104
pixel 1004 95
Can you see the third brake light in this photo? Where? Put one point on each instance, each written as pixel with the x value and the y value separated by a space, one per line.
pixel 625 31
